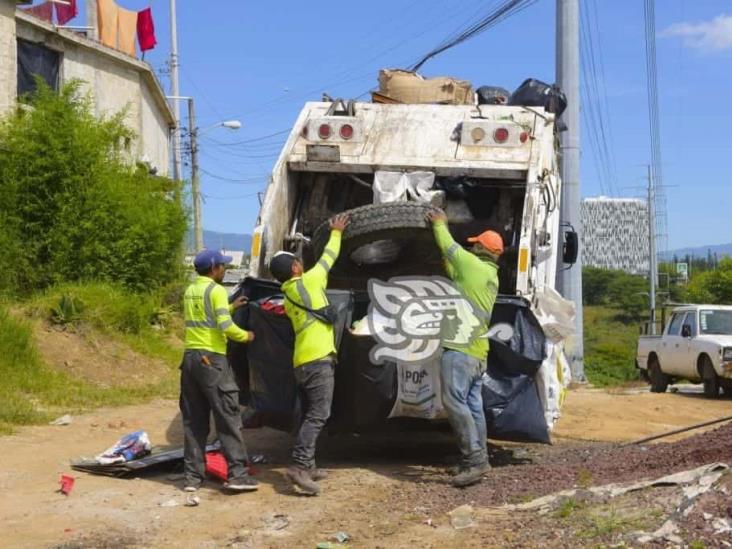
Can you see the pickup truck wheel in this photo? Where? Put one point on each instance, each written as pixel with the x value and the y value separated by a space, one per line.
pixel 659 380
pixel 710 379
pixel 381 241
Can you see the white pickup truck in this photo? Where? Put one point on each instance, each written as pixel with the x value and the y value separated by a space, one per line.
pixel 696 345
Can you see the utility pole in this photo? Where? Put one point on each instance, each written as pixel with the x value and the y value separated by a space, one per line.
pixel 195 177
pixel 653 270
pixel 175 91
pixel 568 67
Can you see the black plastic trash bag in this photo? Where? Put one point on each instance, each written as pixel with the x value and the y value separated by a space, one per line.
pixel 511 400
pixel 535 93
pixel 492 95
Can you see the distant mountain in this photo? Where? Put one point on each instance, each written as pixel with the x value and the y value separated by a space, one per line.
pixel 699 251
pixel 229 241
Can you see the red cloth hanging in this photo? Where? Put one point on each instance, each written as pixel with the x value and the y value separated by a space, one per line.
pixel 42 11
pixel 146 30
pixel 65 13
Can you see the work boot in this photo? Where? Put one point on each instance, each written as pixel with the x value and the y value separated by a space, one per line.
pixel 470 475
pixel 318 474
pixel 300 477
pixel 244 483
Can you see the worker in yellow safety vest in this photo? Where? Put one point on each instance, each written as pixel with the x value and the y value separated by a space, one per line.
pixel 207 382
pixel 314 356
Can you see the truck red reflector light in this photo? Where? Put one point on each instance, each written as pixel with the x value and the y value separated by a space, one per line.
pixel 500 135
pixel 523 137
pixel 346 131
pixel 324 131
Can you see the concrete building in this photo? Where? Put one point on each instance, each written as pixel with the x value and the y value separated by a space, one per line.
pixel 115 80
pixel 615 234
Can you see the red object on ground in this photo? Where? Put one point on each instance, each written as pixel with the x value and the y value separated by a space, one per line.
pixel 65 13
pixel 216 465
pixel 67 483
pixel 146 30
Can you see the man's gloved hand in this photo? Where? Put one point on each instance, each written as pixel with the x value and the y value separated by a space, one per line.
pixel 239 301
pixel 435 215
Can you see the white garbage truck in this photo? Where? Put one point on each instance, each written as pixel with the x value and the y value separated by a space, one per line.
pixel 488 166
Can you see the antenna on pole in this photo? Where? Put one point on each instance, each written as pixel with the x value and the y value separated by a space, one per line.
pixel 653 264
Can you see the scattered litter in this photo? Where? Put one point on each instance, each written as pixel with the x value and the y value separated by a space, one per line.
pixel 462 517
pixel 193 501
pixel 132 446
pixel 277 522
pixel 707 516
pixel 170 503
pixel 63 420
pixel 340 537
pixel 326 545
pixel 429 522
pixel 722 525
pixel 67 484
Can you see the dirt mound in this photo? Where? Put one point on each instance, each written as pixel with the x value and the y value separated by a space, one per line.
pixel 87 355
pixel 583 466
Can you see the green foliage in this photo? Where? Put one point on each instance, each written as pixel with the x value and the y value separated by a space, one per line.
pixel 617 289
pixel 610 344
pixel 713 286
pixel 73 208
pixel 67 311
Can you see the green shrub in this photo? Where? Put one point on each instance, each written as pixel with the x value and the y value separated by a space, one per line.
pixel 73 208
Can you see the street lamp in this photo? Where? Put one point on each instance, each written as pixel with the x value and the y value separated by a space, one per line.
pixel 193 134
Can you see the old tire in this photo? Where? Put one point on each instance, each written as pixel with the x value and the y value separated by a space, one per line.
pixel 381 241
pixel 709 378
pixel 659 380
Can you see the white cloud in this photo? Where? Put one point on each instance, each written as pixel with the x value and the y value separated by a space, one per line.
pixel 714 35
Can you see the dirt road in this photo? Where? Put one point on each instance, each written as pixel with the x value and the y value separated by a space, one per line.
pixel 383 493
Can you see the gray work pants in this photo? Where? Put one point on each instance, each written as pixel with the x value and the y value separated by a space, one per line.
pixel 206 389
pixel 315 381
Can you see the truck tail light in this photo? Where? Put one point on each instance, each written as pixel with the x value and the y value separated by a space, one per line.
pixel 324 131
pixel 500 135
pixel 523 137
pixel 346 131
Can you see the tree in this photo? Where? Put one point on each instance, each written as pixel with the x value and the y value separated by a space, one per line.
pixel 713 287
pixel 72 204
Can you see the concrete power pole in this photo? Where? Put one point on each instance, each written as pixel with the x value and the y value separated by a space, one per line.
pixel 175 91
pixel 568 67
pixel 653 264
pixel 195 177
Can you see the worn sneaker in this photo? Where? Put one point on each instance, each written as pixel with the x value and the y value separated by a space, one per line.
pixel 191 486
pixel 244 483
pixel 302 480
pixel 318 474
pixel 470 475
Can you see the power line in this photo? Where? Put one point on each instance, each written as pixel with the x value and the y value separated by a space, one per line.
pixel 505 10
pixel 252 179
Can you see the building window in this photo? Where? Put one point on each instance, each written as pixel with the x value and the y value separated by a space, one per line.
pixel 36 59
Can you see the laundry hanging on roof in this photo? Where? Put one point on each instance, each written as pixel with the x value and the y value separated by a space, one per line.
pixel 126 29
pixel 66 12
pixel 107 17
pixel 42 11
pixel 146 30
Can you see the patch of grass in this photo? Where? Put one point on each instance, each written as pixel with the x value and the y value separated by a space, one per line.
pixel 567 508
pixel 31 392
pixel 608 524
pixel 584 478
pixel 610 346
pixel 146 322
pixel 697 544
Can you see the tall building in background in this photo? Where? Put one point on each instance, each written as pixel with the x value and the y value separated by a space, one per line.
pixel 615 234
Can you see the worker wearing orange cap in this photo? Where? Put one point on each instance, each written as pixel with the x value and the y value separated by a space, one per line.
pixel 475 274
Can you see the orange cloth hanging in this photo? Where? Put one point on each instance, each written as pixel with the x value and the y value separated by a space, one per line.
pixel 127 31
pixel 107 21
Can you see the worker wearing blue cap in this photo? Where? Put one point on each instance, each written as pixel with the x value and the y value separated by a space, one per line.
pixel 207 382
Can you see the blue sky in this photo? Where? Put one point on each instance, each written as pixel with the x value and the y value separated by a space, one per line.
pixel 259 61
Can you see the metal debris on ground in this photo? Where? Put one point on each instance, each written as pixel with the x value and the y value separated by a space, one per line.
pixel 277 521
pixel 170 503
pixel 63 420
pixel 462 517
pixel 340 537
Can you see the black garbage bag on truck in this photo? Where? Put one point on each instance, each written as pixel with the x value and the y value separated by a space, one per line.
pixel 511 400
pixel 492 95
pixel 535 93
pixel 272 398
